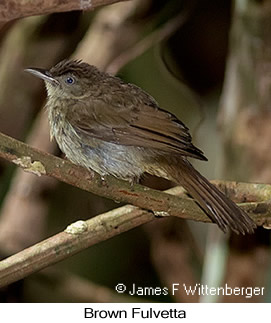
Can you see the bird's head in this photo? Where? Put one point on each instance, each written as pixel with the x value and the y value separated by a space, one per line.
pixel 69 79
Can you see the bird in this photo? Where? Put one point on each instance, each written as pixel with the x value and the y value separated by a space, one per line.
pixel 116 128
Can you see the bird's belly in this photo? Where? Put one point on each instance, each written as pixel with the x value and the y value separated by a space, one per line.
pixel 105 158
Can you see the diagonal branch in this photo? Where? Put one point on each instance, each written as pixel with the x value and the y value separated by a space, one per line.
pixel 80 235
pixel 40 163
pixel 77 237
pixel 157 36
pixel 107 225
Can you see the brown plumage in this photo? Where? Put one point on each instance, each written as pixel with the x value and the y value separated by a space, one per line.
pixel 115 128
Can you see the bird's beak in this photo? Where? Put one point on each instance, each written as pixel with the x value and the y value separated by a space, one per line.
pixel 43 74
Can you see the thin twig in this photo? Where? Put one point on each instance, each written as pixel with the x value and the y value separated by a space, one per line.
pixel 157 36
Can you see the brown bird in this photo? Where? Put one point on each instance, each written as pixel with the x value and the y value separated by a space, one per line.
pixel 115 128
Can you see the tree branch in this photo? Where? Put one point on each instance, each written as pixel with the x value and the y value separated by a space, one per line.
pixel 75 238
pixel 13 9
pixel 40 163
pixel 107 225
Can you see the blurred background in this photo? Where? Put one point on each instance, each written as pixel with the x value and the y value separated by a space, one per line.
pixel 209 63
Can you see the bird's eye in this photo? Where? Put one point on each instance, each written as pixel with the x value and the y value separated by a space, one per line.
pixel 69 80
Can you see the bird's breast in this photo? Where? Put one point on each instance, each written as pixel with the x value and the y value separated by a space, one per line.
pixel 103 157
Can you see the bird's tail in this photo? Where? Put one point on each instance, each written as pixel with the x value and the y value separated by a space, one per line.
pixel 219 208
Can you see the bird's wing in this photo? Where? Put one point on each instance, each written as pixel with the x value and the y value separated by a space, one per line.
pixel 132 125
